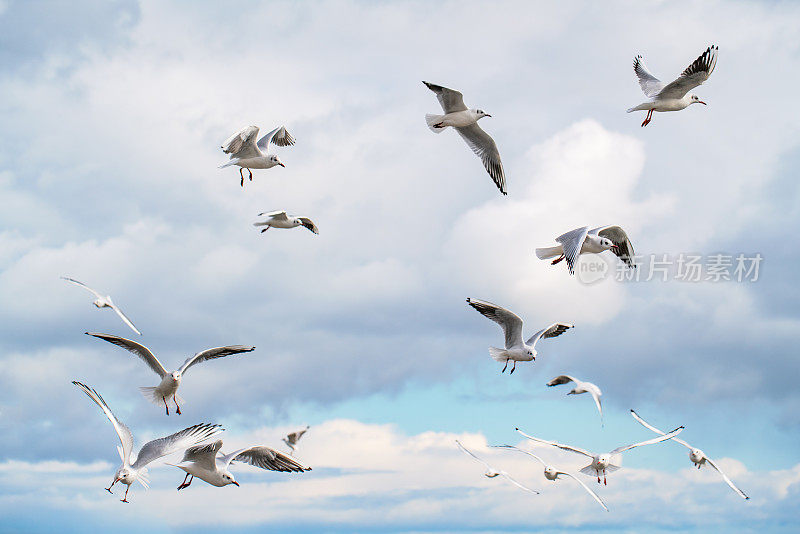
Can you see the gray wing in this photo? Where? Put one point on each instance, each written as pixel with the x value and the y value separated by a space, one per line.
pixel 450 99
pixel 694 75
pixel 509 321
pixel 485 148
pixel 294 437
pixel 137 348
pixel 624 248
pixel 569 448
pixel 659 439
pixel 511 447
pixel 152 450
pixel 587 488
pixel 562 379
pixel 657 431
pixel 308 223
pixel 727 480
pixel 84 286
pixel 572 242
pixel 650 85
pixel 212 354
pixel 124 318
pixel 265 458
pixel 275 215
pixel 554 330
pixel 279 137
pixel 124 433
pixel 203 455
pixel 242 144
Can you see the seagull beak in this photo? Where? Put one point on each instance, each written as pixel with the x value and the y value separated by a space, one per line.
pixel 282 165
pixel 234 482
pixel 700 101
pixel 488 115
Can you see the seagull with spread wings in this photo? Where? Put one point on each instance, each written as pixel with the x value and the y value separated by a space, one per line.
pixel 207 463
pixel 104 302
pixel 249 154
pixel 673 96
pixel 291 439
pixel 170 382
pixel 551 473
pixel 279 219
pixel 585 241
pixel 465 122
pixel 581 387
pixel 610 461
pixel 136 471
pixel 491 472
pixel 697 456
pixel 516 349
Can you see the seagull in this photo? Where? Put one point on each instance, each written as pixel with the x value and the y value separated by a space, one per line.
pixel 609 461
pixel 248 154
pixel 128 472
pixel 581 387
pixel 169 381
pixel 551 473
pixel 491 472
pixel 292 439
pixel 516 349
pixel 279 219
pixel 585 241
pixel 697 456
pixel 104 302
pixel 673 96
pixel 201 461
pixel 465 122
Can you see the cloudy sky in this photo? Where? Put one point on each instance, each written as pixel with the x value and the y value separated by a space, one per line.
pixel 113 113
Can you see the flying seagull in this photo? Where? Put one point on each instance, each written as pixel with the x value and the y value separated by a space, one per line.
pixel 279 219
pixel 207 463
pixel 465 122
pixel 585 241
pixel 104 302
pixel 673 96
pixel 580 387
pixel 610 461
pixel 292 439
pixel 169 381
pixel 248 154
pixel 516 349
pixel 491 472
pixel 130 472
pixel 697 456
pixel 551 473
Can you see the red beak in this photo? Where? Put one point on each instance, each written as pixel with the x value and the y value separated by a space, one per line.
pixel 282 165
pixel 234 482
pixel 702 102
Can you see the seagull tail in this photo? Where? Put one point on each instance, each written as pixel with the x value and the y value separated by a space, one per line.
pixel 228 163
pixel 151 395
pixel 549 252
pixel 498 355
pixel 432 120
pixel 640 107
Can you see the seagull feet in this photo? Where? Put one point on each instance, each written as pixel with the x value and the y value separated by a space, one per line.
pixel 108 489
pixel 648 118
pixel 558 259
pixel 504 367
pixel 438 125
pixel 251 174
pixel 177 409
pixel 125 500
pixel 165 404
pixel 598 479
pixel 513 368
pixel 185 484
pixel 265 229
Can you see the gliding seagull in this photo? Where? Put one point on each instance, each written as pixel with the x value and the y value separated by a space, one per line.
pixel 104 302
pixel 491 472
pixel 292 439
pixel 580 387
pixel 248 154
pixel 279 219
pixel 584 241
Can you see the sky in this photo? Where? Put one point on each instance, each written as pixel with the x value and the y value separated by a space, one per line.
pixel 113 117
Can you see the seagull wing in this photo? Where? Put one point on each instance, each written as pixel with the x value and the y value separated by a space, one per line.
pixel 727 480
pixel 81 284
pixel 650 85
pixel 594 392
pixel 559 445
pixel 659 439
pixel 450 99
pixel 265 458
pixel 138 349
pixel 657 431
pixel 561 379
pixel 212 354
pixel 203 455
pixel 624 248
pixel 467 451
pixel 554 330
pixel 485 148
pixel 587 488
pixel 308 223
pixel 124 318
pixel 522 451
pixel 275 215
pixel 279 137
pixel 153 450
pixel 124 433
pixel 572 242
pixel 694 75
pixel 242 144
pixel 509 321
pixel 294 437
pixel 517 484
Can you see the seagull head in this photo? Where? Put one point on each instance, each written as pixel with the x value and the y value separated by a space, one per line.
pixel 603 460
pixel 607 244
pixel 531 352
pixel 176 376
pixel 481 114
pixel 227 478
pixel 99 303
pixel 125 475
pixel 550 473
pixel 696 100
pixel 275 160
pixel 696 455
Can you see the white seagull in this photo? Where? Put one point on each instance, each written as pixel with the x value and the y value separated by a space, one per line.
pixel 130 472
pixel 169 381
pixel 292 439
pixel 465 122
pixel 104 302
pixel 585 241
pixel 491 472
pixel 279 219
pixel 610 461
pixel 516 349
pixel 580 387
pixel 248 154
pixel 673 96
pixel 202 462
pixel 697 456
pixel 551 473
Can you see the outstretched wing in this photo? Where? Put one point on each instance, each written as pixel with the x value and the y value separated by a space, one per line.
pixel 450 99
pixel 213 354
pixel 203 455
pixel 124 318
pixel 242 143
pixel 517 484
pixel 279 137
pixel 467 451
pixel 509 321
pixel 727 480
pixel 485 148
pixel 554 330
pixel 650 85
pixel 308 223
pixel 569 448
pixel 659 439
pixel 265 458
pixel 511 447
pixel 561 379
pixel 152 450
pixel 587 488
pixel 572 242
pixel 137 348
pixel 623 247
pixel 124 433
pixel 294 437
pixel 657 431
pixel 84 286
pixel 279 215
pixel 694 75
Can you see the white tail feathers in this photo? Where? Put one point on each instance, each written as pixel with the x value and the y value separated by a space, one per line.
pixel 631 109
pixel 229 163
pixel 498 355
pixel 150 394
pixel 549 252
pixel 431 120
